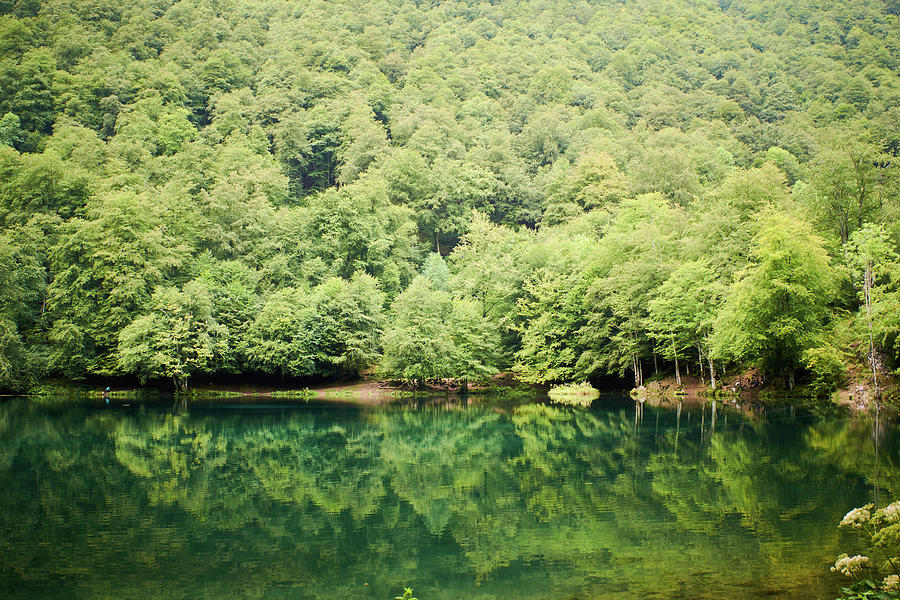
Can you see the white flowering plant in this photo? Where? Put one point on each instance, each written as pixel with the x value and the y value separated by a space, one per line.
pixel 877 577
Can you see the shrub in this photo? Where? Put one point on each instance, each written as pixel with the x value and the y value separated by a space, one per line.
pixel 879 576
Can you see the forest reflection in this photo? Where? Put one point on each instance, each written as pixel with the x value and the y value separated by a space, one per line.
pixel 531 501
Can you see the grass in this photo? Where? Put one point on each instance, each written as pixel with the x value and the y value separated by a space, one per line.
pixel 574 394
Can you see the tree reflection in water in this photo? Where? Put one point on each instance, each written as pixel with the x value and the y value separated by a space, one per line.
pixel 533 501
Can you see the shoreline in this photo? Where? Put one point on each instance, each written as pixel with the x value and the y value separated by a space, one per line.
pixel 374 392
pixel 361 391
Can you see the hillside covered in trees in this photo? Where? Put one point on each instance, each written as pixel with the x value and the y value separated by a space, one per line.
pixel 566 189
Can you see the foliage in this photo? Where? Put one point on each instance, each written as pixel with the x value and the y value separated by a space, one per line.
pixel 826 366
pixel 866 590
pixel 331 329
pixel 873 263
pixel 591 173
pixel 177 338
pixel 581 394
pixel 14 361
pixel 551 309
pixel 637 252
pixel 779 305
pixel 431 336
pixel 407 594
pixel 682 314
pixel 881 531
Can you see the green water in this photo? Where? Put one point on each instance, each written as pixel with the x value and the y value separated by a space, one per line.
pixel 340 501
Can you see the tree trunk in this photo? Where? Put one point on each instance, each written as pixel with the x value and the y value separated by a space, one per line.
pixel 640 369
pixel 180 383
pixel 790 379
pixel 635 368
pixel 437 242
pixel 700 363
pixel 464 386
pixel 655 365
pixel 712 372
pixel 677 370
pixel 867 289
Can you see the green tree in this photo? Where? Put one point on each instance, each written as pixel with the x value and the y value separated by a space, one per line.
pixel 873 259
pixel 278 340
pixel 353 312
pixel 26 90
pixel 844 178
pixel 104 269
pixel 594 181
pixel 10 131
pixel 433 336
pixel 14 360
pixel 682 312
pixel 553 309
pixel 476 342
pixel 23 288
pixel 488 266
pixel 48 183
pixel 724 222
pixel 176 338
pixel 780 303
pixel 637 254
pixel 153 126
pixel 364 141
pixel 232 290
pixel 458 187
pixel 785 161
pixel 308 145
pixel 552 313
pixel 417 345
pixel 332 329
pixel 341 232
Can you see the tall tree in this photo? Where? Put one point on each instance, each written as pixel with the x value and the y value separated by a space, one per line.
pixel 434 336
pixel 683 311
pixel 845 179
pixel 637 250
pixel 176 338
pixel 104 269
pixel 779 305
pixel 872 257
pixel 332 329
pixel 417 343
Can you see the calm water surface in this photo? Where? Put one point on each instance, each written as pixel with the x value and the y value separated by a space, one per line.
pixel 316 501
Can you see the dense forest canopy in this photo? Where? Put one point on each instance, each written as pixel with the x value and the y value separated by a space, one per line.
pixel 447 189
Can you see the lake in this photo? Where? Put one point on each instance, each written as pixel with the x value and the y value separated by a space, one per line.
pixel 455 499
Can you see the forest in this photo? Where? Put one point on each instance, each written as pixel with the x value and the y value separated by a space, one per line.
pixel 568 190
